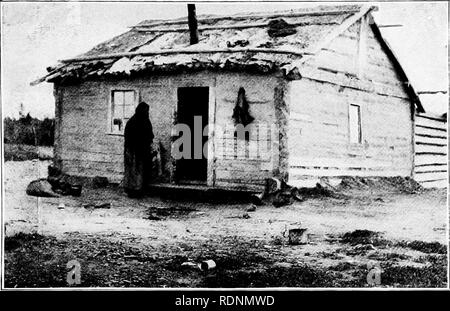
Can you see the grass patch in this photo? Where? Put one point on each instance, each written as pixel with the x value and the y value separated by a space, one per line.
pixel 388 256
pixel 433 275
pixel 344 266
pixel 425 247
pixel 33 260
pixel 297 276
pixel 17 240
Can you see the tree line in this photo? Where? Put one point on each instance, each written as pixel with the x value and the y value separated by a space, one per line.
pixel 28 130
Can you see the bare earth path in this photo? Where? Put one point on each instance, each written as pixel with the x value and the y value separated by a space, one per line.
pixel 248 251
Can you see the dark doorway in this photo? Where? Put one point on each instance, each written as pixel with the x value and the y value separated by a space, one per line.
pixel 193 102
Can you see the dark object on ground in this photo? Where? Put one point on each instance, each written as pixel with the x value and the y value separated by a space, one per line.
pixel 207 265
pixel 252 208
pixel 280 28
pixel 134 194
pixel 266 44
pixel 317 191
pixel 62 187
pixel 76 190
pixel 246 216
pixel 281 199
pixel 60 184
pixel 101 205
pixel 152 216
pixel 54 181
pixel 298 236
pixel 41 188
pixel 273 185
pixel 361 237
pixel 257 199
pixel 279 193
pixel 99 182
pixel 53 171
pixel 241 43
pixel 296 195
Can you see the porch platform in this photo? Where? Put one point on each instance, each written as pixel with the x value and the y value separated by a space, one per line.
pixel 198 192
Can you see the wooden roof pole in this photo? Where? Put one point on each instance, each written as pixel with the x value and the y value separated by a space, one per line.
pixel 244 17
pixel 236 26
pixel 337 31
pixel 184 51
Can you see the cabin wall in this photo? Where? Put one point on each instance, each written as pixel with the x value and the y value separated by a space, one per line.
pixel 83 146
pixel 240 162
pixel 319 113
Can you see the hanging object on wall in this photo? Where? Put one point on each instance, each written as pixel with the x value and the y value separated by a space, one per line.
pixel 241 115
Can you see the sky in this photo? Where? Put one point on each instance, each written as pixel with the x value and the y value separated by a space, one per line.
pixel 36 35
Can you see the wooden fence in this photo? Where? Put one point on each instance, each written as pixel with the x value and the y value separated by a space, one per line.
pixel 431 151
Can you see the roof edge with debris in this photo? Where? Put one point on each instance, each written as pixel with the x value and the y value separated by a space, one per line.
pixel 289 70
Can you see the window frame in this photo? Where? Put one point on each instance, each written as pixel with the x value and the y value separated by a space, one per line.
pixel 109 130
pixel 360 127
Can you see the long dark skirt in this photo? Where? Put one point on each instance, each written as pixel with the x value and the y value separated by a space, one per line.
pixel 137 173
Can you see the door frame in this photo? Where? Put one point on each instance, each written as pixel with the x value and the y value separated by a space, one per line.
pixel 211 85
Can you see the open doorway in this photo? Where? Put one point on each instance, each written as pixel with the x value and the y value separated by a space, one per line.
pixel 193 105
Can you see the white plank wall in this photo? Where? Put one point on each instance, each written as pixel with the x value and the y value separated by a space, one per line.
pixel 319 113
pixel 431 151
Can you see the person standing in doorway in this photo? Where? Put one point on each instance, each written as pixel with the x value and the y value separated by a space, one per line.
pixel 137 151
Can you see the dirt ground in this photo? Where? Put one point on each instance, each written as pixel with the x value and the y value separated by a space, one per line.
pixel 13 152
pixel 400 238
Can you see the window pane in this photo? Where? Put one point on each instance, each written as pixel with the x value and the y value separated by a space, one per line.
pixel 128 98
pixel 117 112
pixel 128 111
pixel 117 107
pixel 125 123
pixel 122 108
pixel 355 124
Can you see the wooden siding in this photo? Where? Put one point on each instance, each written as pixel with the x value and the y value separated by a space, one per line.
pixel 319 141
pixel 84 148
pixel 431 168
pixel 240 163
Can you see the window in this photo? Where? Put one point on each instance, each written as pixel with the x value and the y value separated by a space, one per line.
pixel 123 104
pixel 355 124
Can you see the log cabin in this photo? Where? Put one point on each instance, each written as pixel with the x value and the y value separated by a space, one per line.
pixel 327 97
